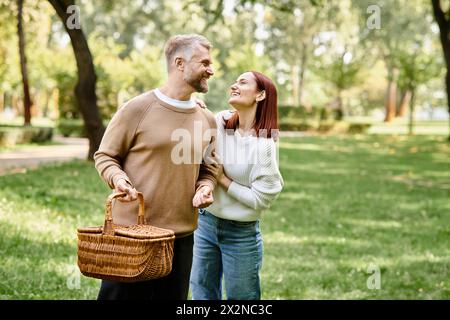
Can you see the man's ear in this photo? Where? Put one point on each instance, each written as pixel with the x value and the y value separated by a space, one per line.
pixel 261 96
pixel 179 63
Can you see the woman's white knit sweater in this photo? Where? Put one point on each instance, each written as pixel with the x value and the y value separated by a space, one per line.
pixel 252 163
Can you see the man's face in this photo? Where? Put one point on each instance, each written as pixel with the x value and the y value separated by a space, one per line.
pixel 198 70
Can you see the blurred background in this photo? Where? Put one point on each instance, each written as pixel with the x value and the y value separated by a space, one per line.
pixel 363 110
pixel 335 63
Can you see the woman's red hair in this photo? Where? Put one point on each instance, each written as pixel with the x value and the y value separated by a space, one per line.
pixel 266 117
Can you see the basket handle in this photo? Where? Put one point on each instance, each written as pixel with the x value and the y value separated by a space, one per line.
pixel 108 228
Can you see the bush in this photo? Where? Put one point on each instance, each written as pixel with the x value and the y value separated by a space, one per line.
pixel 12 135
pixel 358 127
pixel 71 128
pixel 285 112
pixel 325 127
pixel 314 114
pixel 297 125
pixel 74 127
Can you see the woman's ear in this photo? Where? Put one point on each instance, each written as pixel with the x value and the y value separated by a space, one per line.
pixel 261 96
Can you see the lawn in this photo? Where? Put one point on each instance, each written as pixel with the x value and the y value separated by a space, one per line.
pixel 350 203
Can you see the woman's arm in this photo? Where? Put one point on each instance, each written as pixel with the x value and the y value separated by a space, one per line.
pixel 266 181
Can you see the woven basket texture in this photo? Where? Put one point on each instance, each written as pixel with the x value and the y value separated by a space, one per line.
pixel 125 253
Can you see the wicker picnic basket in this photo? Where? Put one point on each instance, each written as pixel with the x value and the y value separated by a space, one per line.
pixel 125 253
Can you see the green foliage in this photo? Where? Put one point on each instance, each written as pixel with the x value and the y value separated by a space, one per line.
pixel 340 73
pixel 300 112
pixel 121 78
pixel 359 128
pixel 71 127
pixel 244 58
pixel 316 119
pixel 299 45
pixel 303 113
pixel 297 125
pixel 66 82
pixel 417 67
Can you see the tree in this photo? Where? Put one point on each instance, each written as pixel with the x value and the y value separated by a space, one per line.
pixel 291 39
pixel 23 65
pixel 395 31
pixel 86 84
pixel 146 20
pixel 417 67
pixel 443 20
pixel 290 24
pixel 343 72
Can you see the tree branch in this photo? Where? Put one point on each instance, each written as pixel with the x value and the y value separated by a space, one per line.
pixel 439 15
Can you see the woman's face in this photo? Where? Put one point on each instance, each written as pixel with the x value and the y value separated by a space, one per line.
pixel 244 91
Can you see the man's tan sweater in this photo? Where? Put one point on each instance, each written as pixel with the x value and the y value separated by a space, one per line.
pixel 163 151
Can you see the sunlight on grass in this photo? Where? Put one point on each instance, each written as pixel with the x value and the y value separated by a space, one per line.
pixel 295 196
pixel 372 223
pixel 303 146
pixel 281 238
pixel 397 261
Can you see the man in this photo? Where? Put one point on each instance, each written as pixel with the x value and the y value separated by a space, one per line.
pixel 141 151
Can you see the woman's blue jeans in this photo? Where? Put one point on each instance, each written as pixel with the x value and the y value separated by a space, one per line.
pixel 232 249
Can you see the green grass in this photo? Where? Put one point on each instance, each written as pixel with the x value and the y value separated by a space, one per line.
pixel 349 202
pixel 400 126
pixel 419 128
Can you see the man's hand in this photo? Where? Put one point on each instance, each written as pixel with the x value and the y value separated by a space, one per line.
pixel 203 197
pixel 200 103
pixel 123 186
pixel 222 179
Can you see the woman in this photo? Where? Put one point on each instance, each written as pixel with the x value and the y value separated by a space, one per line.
pixel 228 241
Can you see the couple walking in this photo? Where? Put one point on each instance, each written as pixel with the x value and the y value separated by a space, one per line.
pixel 198 172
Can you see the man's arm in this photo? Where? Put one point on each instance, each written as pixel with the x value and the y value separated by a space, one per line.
pixel 116 143
pixel 209 170
pixel 209 167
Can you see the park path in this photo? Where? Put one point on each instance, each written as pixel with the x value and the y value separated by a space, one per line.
pixel 32 157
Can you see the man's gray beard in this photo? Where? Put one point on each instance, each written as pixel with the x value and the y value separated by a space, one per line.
pixel 197 84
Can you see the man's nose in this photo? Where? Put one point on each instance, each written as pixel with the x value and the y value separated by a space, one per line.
pixel 210 71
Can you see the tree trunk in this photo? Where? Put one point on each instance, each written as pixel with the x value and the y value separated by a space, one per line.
pixel 301 76
pixel 46 100
pixel 444 27
pixel 340 107
pixel 15 104
pixel 404 103
pixel 55 103
pixel 85 87
pixel 2 101
pixel 391 94
pixel 411 113
pixel 23 65
pixel 295 85
pixel 447 84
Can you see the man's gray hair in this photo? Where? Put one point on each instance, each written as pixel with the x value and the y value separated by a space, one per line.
pixel 183 45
